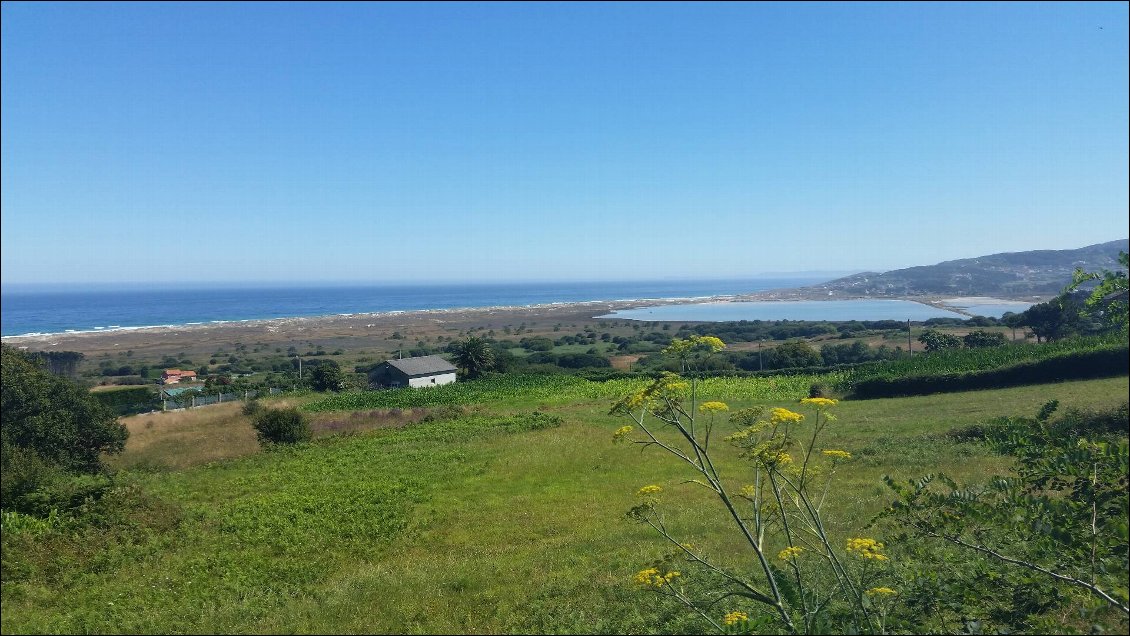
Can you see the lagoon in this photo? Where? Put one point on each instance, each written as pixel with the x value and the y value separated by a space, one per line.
pixel 831 310
pixel 985 306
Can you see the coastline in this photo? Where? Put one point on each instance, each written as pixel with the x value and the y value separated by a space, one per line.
pixel 268 323
pixel 355 326
pixel 373 325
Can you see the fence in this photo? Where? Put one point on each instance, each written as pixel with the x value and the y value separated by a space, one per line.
pixel 186 400
pixel 193 399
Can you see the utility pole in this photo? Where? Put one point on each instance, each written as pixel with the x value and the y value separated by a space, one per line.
pixel 300 367
pixel 760 362
pixel 909 343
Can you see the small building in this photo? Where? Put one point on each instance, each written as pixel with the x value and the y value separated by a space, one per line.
pixel 173 376
pixel 414 372
pixel 175 394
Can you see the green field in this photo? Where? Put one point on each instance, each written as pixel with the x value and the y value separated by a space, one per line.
pixel 509 517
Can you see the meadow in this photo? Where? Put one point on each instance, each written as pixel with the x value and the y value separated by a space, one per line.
pixel 488 507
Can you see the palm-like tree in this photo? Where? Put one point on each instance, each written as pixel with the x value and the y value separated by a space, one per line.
pixel 474 356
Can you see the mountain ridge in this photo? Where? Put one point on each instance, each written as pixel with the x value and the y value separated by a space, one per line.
pixel 1033 273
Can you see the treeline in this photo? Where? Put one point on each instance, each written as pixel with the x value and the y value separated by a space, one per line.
pixel 759 330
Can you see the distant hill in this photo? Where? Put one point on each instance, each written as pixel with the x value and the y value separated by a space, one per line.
pixel 1008 275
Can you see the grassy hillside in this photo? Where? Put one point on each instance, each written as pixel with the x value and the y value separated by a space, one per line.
pixel 502 514
pixel 1044 272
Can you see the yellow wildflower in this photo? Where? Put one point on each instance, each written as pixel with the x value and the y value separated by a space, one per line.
pixel 678 347
pixel 713 407
pixel 712 343
pixel 866 548
pixel 837 454
pixel 783 458
pixel 880 591
pixel 790 553
pixel 629 403
pixel 652 578
pixel 819 402
pixel 621 433
pixel 781 415
pixel 670 383
pixel 649 490
pixel 735 617
pixel 748 491
pixel 645 577
pixel 739 436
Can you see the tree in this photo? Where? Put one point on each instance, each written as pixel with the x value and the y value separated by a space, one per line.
pixel 794 354
pixel 937 341
pixel 1052 320
pixel 1013 320
pixel 59 362
pixel 536 343
pixel 694 352
pixel 582 360
pixel 54 418
pixel 1109 298
pixel 474 356
pixel 982 338
pixel 327 377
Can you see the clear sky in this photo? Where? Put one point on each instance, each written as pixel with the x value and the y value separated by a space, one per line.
pixel 429 142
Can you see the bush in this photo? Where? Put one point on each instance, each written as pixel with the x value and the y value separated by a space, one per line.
pixel 820 390
pixel 982 338
pixel 282 426
pixel 128 401
pixel 251 408
pixel 582 360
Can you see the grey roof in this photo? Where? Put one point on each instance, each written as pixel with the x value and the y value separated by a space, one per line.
pixel 423 365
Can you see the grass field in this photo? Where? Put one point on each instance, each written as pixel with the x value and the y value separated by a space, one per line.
pixel 501 519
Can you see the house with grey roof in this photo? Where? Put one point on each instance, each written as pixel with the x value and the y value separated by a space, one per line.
pixel 414 372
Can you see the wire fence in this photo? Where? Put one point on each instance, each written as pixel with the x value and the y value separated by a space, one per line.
pixel 188 400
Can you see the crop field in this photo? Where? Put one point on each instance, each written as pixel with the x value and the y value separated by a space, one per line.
pixel 558 389
pixel 963 360
pixel 505 515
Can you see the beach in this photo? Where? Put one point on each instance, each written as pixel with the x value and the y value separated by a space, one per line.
pixel 386 331
pixel 349 332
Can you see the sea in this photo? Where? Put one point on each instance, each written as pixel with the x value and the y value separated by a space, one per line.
pixel 35 311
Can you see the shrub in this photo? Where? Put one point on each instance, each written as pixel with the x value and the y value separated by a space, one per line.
pixel 982 338
pixel 282 426
pixel 128 401
pixel 1057 520
pixel 938 341
pixel 820 390
pixel 251 408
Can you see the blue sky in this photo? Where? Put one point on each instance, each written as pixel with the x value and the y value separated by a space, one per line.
pixel 448 142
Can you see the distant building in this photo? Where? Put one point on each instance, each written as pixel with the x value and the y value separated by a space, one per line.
pixel 173 376
pixel 173 394
pixel 414 372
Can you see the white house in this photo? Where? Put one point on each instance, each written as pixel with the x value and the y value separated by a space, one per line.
pixel 415 372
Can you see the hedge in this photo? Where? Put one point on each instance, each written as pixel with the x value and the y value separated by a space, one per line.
pixel 1078 365
pixel 131 401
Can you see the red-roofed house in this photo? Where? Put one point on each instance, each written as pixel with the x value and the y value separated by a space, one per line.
pixel 172 376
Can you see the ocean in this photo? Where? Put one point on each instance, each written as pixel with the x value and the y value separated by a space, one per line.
pixel 25 311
